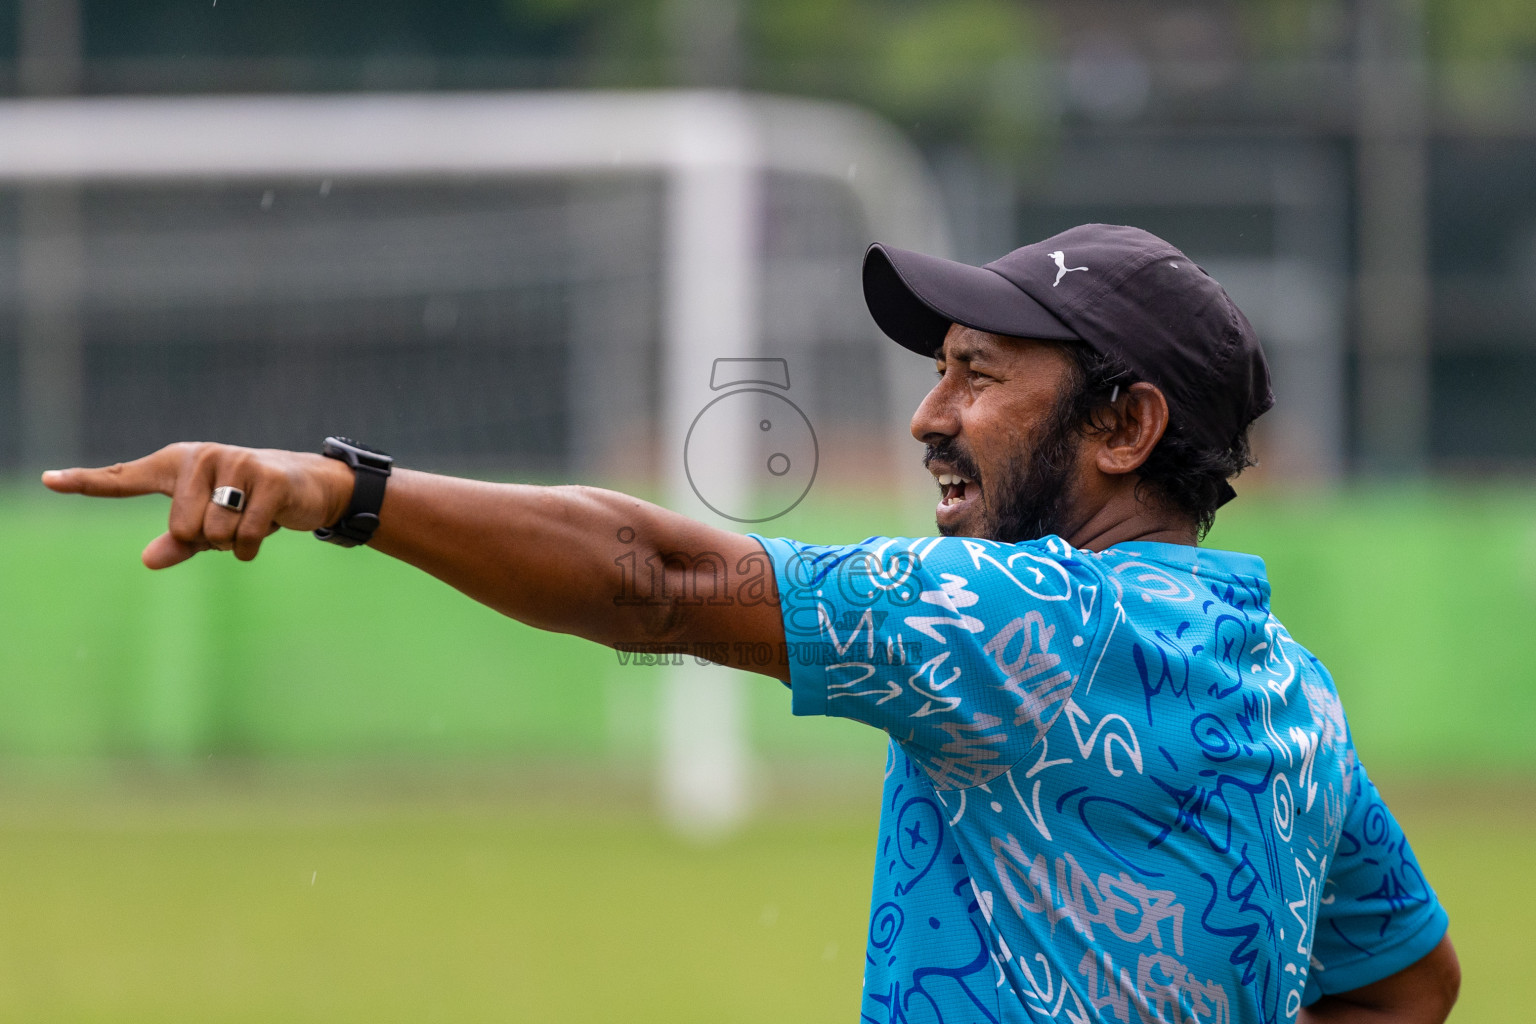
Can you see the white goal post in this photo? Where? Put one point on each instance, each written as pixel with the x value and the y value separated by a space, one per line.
pixel 711 148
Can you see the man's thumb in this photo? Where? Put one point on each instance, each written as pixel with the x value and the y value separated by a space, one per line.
pixel 165 551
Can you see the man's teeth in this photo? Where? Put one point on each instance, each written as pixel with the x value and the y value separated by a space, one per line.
pixel 956 481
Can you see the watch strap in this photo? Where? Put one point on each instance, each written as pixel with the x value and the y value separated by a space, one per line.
pixel 361 518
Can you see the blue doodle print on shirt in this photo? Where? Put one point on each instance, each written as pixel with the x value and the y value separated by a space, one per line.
pixel 1118 790
pixel 923 905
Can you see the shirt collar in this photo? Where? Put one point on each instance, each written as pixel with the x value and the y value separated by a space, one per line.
pixel 1200 561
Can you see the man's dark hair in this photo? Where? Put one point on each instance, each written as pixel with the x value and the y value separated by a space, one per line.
pixel 1184 476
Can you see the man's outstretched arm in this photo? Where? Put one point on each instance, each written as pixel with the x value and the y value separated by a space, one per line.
pixel 580 560
pixel 1421 993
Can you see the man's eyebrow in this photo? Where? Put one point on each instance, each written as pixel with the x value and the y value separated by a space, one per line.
pixel 964 352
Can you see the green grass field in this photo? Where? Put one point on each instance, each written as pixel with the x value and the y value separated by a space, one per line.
pixel 310 899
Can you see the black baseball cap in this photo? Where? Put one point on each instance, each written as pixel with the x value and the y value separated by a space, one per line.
pixel 1119 290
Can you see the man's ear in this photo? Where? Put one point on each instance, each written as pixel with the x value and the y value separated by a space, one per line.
pixel 1136 421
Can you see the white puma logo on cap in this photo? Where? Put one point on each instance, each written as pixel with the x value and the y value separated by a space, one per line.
pixel 1062 270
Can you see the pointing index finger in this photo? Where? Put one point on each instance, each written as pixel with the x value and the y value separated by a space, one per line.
pixel 153 474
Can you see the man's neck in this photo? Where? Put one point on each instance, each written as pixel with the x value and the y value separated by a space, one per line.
pixel 1158 536
pixel 1123 522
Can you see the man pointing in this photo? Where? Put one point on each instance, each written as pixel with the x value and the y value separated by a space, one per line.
pixel 1117 790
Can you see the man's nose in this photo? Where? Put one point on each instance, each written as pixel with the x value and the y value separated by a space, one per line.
pixel 935 417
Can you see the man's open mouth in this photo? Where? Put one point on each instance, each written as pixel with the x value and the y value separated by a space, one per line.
pixel 955 489
pixel 956 492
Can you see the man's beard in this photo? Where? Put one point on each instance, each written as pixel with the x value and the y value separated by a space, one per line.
pixel 1034 494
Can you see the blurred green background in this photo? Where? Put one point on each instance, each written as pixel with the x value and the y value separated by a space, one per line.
pixel 1419 600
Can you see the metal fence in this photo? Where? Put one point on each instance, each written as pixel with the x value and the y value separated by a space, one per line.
pixel 504 324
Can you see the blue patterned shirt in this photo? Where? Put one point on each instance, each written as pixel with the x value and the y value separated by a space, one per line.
pixel 1117 790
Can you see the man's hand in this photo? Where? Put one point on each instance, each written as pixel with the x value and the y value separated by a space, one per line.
pixel 1421 993
pixel 282 489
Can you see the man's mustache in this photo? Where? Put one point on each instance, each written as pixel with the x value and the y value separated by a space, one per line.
pixel 950 451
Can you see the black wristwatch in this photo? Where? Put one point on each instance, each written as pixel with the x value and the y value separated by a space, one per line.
pixel 370 471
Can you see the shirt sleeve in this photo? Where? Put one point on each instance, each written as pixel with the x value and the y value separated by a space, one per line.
pixel 963 650
pixel 1377 914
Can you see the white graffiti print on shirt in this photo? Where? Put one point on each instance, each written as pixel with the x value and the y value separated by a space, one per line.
pixel 1132 749
pixel 1133 912
pixel 1030 807
pixel 1276 661
pixel 866 625
pixel 1327 714
pixel 934 702
pixel 1283 799
pixel 1043 996
pixel 1039 702
pixel 1304 910
pixel 1284 813
pixel 1307 743
pixel 844 688
pixel 1085 748
pixel 1038 994
pixel 1035 817
pixel 1111 902
pixel 952 597
pixel 1038 577
pixel 1160 993
pixel 847 687
pixel 1155 584
pixel 970 756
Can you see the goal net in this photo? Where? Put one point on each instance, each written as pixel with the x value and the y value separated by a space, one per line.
pixel 540 287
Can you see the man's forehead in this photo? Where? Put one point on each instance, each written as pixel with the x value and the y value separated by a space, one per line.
pixel 964 343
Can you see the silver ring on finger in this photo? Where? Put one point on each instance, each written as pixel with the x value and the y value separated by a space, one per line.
pixel 232 498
